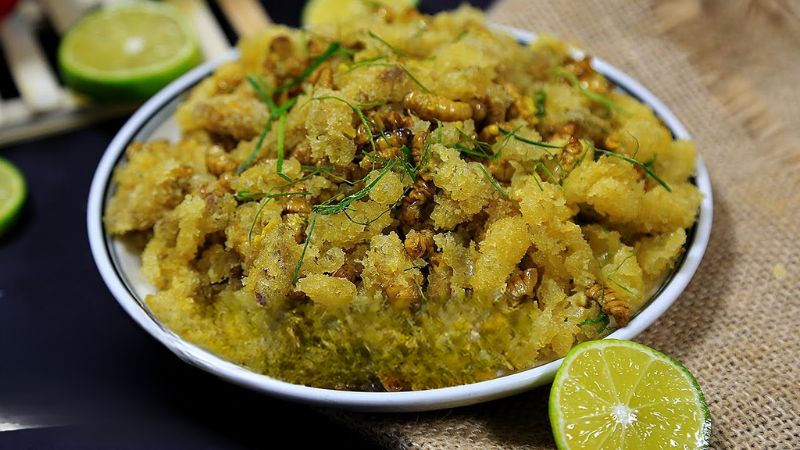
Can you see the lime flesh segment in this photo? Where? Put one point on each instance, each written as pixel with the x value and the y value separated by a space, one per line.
pixel 127 52
pixel 318 12
pixel 612 394
pixel 12 194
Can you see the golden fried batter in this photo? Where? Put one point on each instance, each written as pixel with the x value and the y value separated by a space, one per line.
pixel 412 218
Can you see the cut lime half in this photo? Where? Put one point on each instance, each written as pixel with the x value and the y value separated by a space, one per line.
pixel 128 51
pixel 317 12
pixel 612 394
pixel 12 194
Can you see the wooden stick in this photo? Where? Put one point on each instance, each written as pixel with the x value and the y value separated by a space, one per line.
pixel 35 80
pixel 20 124
pixel 2 112
pixel 212 39
pixel 246 16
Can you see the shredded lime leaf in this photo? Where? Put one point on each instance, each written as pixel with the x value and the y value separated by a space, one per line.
pixel 359 113
pixel 305 247
pixel 594 96
pixel 332 48
pixel 528 141
pixel 647 168
pixel 391 48
pixel 492 180
pixel 540 100
pixel 276 113
pixel 601 319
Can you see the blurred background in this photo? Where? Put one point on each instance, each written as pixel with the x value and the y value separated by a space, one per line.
pixel 76 372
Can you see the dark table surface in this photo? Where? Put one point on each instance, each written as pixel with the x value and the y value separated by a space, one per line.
pixel 73 362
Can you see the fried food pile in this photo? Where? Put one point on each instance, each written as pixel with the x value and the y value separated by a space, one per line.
pixel 404 202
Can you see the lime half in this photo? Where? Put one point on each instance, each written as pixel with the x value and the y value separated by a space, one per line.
pixel 336 11
pixel 12 194
pixel 128 51
pixel 612 394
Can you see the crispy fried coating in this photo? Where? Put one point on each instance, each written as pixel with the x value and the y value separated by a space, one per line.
pixel 408 221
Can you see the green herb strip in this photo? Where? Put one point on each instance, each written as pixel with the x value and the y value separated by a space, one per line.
pixel 275 112
pixel 413 78
pixel 601 319
pixel 401 67
pixel 586 146
pixel 244 196
pixel 359 113
pixel 327 170
pixel 648 170
pixel 508 138
pixel 257 149
pixel 426 158
pixel 623 287
pixel 391 48
pixel 408 164
pixel 593 96
pixel 305 247
pixel 484 146
pixel 619 266
pixel 247 196
pixel 492 180
pixel 479 149
pixel 258 85
pixel 327 209
pixel 363 63
pixel 281 139
pixel 463 149
pixel 538 184
pixel 268 198
pixel 332 48
pixel 614 272
pixel 528 141
pixel 540 166
pixel 383 213
pixel 540 100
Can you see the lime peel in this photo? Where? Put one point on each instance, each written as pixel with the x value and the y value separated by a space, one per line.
pixel 127 51
pixel 619 394
pixel 13 192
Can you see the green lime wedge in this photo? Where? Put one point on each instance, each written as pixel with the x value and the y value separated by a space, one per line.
pixel 612 394
pixel 128 51
pixel 317 12
pixel 12 194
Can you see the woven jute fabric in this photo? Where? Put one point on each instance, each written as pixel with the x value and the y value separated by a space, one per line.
pixel 736 325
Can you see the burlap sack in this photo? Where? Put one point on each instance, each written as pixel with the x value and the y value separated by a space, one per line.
pixel 735 326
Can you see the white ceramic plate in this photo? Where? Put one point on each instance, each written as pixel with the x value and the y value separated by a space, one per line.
pixel 120 269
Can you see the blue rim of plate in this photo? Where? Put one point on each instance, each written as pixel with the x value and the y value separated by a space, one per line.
pixel 162 105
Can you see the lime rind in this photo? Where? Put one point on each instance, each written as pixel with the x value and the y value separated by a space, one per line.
pixel 556 419
pixel 128 83
pixel 9 210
